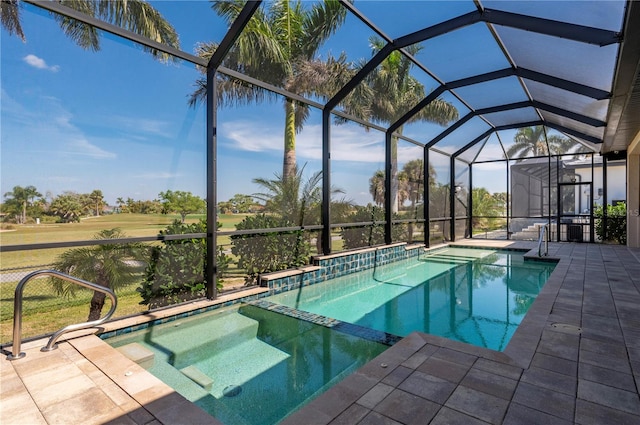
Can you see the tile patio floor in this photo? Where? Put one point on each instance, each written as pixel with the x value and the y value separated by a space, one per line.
pixel 574 359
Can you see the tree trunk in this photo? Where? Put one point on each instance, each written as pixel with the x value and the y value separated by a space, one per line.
pixel 394 173
pixel 289 160
pixel 97 302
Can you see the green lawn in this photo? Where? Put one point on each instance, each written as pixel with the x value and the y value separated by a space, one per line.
pixel 45 312
pixel 133 225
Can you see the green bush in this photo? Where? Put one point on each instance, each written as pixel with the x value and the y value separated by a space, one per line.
pixel 358 237
pixel 176 270
pixel 269 251
pixel 616 223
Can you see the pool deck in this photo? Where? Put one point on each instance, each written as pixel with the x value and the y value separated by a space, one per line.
pixel 574 359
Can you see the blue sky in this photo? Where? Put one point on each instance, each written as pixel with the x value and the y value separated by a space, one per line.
pixel 118 120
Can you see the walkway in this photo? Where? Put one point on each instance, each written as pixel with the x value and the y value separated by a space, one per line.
pixel 574 359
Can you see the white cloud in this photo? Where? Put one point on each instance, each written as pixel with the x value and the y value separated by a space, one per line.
pixel 81 146
pixel 143 126
pixel 348 143
pixel 48 129
pixel 40 63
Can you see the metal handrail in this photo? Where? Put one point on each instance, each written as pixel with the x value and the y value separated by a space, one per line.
pixel 544 234
pixel 17 311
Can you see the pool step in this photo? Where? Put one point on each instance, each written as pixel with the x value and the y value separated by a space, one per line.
pixel 139 354
pixel 191 340
pixel 197 376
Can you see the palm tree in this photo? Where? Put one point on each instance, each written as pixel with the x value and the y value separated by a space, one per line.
pixel 97 200
pixel 23 196
pixel 68 206
pixel 413 172
pixel 276 46
pixel 485 207
pixel 137 16
pixel 533 141
pixel 397 91
pixel 113 266
pixel 376 187
pixel 292 198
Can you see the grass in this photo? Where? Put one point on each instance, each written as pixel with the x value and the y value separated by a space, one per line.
pixel 133 225
pixel 45 312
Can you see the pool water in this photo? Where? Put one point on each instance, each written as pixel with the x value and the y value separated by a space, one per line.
pixel 251 365
pixel 476 296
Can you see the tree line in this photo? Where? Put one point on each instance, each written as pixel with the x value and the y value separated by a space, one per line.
pixel 26 204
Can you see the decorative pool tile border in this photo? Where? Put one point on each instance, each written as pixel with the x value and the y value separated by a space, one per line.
pixel 344 327
pixel 329 267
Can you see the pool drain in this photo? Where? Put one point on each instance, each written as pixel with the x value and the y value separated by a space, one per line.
pixel 232 390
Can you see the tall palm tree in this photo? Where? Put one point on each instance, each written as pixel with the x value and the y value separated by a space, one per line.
pixel 397 90
pixel 533 141
pixel 137 16
pixel 97 200
pixel 413 172
pixel 376 187
pixel 113 266
pixel 23 196
pixel 277 42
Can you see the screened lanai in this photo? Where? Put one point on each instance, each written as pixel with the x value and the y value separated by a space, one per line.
pixel 362 123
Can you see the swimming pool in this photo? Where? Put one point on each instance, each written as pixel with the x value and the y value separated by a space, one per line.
pixel 476 296
pixel 247 365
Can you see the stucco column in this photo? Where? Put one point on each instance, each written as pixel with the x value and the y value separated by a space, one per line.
pixel 633 193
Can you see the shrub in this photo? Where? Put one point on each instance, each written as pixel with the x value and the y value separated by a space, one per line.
pixel 357 237
pixel 616 223
pixel 176 270
pixel 268 251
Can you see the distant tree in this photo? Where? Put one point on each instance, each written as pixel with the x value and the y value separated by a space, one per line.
pixel 180 202
pixel 225 207
pixel 485 206
pixel 241 203
pixel 144 207
pixel 22 197
pixel 122 205
pixel 113 266
pixel 376 187
pixel 97 200
pixel 68 206
pixel 533 141
pixel 410 185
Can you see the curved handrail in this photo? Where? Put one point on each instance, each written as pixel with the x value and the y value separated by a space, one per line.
pixel 17 310
pixel 544 234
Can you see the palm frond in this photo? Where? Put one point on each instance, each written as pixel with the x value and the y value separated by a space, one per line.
pixel 321 23
pixel 10 17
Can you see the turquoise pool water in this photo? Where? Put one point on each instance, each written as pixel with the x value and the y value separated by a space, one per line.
pixel 476 296
pixel 248 365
